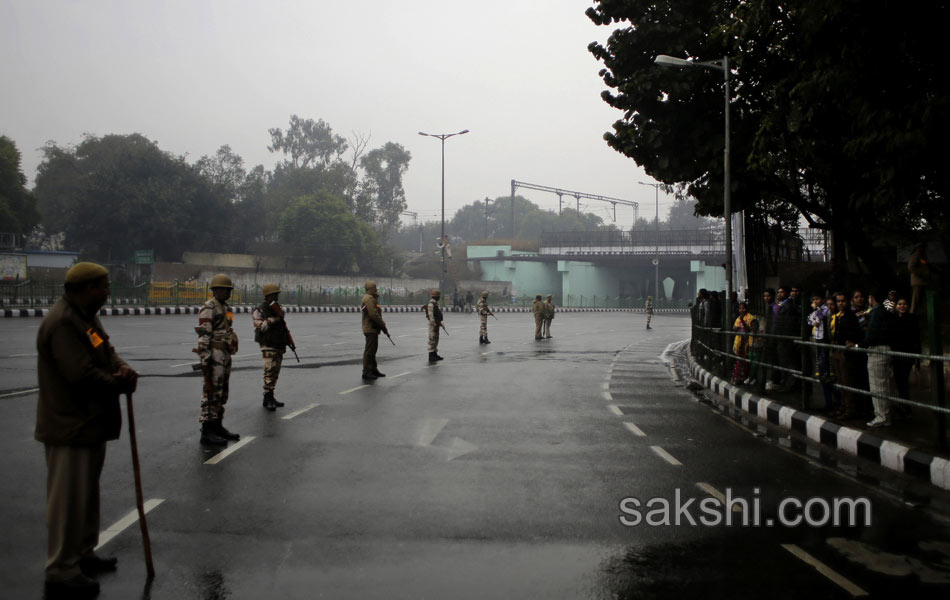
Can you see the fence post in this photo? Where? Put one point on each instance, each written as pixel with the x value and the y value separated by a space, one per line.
pixel 937 389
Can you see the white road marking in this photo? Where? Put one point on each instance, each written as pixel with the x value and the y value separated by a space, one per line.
pixel 639 433
pixel 229 451
pixel 608 396
pixel 19 393
pixel 430 429
pixel 615 409
pixel 736 507
pixel 119 526
pixel 838 579
pixel 131 347
pixel 181 365
pixel 351 390
pixel 299 412
pixel 20 355
pixel 605 385
pixel 666 456
pixel 401 374
pixel 244 355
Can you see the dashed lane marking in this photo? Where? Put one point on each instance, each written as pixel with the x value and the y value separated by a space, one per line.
pixel 119 526
pixel 351 390
pixel 229 451
pixel 639 433
pixel 430 429
pixel 299 412
pixel 131 347
pixel 665 456
pixel 20 355
pixel 608 396
pixel 401 374
pixel 838 579
pixel 717 495
pixel 615 409
pixel 20 393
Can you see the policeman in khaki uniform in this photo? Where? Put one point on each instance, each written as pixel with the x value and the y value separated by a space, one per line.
pixel 483 312
pixel 434 314
pixel 548 317
pixel 372 324
pixel 217 342
pixel 538 308
pixel 80 380
pixel 273 336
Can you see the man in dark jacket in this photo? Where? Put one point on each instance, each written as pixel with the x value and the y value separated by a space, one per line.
pixel 80 380
pixel 373 324
pixel 845 332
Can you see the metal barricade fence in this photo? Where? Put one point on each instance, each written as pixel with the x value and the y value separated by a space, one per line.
pixel 710 353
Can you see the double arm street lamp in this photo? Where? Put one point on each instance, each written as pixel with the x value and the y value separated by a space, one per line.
pixel 719 65
pixel 656 259
pixel 443 137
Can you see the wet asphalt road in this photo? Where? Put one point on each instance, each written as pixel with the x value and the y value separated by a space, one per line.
pixel 496 473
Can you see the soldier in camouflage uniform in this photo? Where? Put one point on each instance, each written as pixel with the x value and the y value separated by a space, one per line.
pixel 217 341
pixel 538 308
pixel 434 314
pixel 548 317
pixel 483 312
pixel 271 332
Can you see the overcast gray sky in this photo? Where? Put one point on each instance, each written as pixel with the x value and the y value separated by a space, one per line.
pixel 193 75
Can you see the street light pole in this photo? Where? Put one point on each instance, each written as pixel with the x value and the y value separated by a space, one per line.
pixel 656 259
pixel 720 65
pixel 443 137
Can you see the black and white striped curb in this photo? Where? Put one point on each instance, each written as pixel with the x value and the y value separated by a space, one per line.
pixel 190 310
pixel 932 469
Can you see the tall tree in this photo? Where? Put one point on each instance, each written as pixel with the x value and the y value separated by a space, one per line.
pixel 321 228
pixel 382 185
pixel 307 143
pixel 816 126
pixel 119 193
pixel 18 210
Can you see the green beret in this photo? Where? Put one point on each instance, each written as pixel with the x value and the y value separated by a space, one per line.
pixel 82 272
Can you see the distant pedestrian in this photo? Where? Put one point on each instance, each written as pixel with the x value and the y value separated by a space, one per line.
pixel 537 307
pixel 648 307
pixel 80 380
pixel 434 315
pixel 373 324
pixel 740 345
pixel 879 337
pixel 548 317
pixel 483 313
pixel 273 336
pixel 469 299
pixel 217 342
pixel 906 339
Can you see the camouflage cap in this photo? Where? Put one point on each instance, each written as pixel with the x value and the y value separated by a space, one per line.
pixel 82 272
pixel 549 296
pixel 484 294
pixel 270 288
pixel 537 297
pixel 436 294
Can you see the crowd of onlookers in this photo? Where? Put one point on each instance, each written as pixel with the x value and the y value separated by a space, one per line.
pixel 878 322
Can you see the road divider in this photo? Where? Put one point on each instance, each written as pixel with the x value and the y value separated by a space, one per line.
pixel 122 524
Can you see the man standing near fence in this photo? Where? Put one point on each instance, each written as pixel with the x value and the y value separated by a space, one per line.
pixel 879 337
pixel 217 342
pixel 648 308
pixel 273 336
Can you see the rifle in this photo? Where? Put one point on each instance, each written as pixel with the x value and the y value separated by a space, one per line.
pixel 390 339
pixel 291 345
pixel 442 325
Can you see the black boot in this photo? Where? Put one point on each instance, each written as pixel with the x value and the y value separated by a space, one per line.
pixel 378 374
pixel 269 402
pixel 368 376
pixel 220 430
pixel 275 401
pixel 434 357
pixel 486 340
pixel 481 339
pixel 210 437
